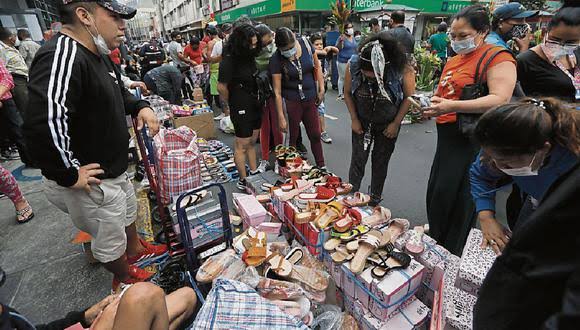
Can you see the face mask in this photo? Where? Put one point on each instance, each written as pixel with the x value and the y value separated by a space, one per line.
pixel 289 53
pixel 522 171
pixel 555 51
pixel 465 46
pixel 17 43
pixel 349 31
pixel 270 47
pixel 518 31
pixel 357 38
pixel 99 41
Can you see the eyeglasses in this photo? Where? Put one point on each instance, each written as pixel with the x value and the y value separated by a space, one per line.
pixel 561 43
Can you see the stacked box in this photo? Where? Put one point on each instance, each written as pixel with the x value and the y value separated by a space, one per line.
pixel 412 315
pixel 457 305
pixel 475 263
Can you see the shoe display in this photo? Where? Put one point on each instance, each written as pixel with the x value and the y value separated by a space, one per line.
pixel 325 137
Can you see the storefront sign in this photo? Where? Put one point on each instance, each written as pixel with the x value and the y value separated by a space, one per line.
pixel 366 4
pixel 288 5
pixel 264 8
pixel 226 4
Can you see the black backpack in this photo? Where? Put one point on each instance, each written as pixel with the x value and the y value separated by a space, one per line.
pixel 263 86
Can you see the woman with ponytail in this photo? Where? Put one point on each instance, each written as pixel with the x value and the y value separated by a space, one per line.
pixel 531 143
pixel 552 68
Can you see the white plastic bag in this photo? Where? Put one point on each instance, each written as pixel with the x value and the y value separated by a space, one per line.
pixel 226 125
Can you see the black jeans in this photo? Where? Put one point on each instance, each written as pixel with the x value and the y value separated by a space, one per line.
pixel 11 128
pixel 382 149
pixel 20 93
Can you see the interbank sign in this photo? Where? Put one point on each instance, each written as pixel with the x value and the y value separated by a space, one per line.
pixel 264 8
pixel 365 4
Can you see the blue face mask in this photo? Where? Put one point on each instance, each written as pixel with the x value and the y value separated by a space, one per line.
pixel 289 52
pixel 464 46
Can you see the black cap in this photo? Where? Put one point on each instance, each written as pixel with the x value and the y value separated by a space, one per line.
pixel 122 10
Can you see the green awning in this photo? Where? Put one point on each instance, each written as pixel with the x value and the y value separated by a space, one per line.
pixel 387 7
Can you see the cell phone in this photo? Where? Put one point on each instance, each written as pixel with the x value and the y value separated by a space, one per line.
pixel 419 101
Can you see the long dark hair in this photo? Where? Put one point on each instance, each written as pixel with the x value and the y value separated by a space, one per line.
pixel 240 40
pixel 394 53
pixel 477 16
pixel 524 127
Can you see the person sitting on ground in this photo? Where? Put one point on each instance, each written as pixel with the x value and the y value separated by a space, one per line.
pixel 9 187
pixel 142 306
pixel 509 23
pixel 535 143
pixel 379 80
pixel 552 68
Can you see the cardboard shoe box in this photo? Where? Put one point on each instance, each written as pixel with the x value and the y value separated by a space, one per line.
pixel 202 124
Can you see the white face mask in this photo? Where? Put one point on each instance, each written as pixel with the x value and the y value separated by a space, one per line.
pixel 522 171
pixel 99 41
pixel 464 46
pixel 17 43
pixel 350 31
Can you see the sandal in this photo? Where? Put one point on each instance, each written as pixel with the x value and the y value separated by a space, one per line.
pixel 190 200
pixel 331 244
pixel 328 214
pixel 396 228
pixel 279 265
pixel 380 215
pixel 351 218
pixel 415 243
pixel 359 199
pixel 368 243
pixel 305 217
pixel 295 255
pixel 341 255
pixel 21 215
pixel 256 249
pixel 299 187
pixel 321 195
pixel 394 260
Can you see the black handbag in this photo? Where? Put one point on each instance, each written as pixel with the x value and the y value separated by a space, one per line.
pixel 264 87
pixel 479 88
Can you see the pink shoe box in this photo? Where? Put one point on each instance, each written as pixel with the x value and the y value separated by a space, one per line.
pixel 250 209
pixel 411 315
pixel 456 306
pixel 475 263
pixel 394 287
pixel 366 279
pixel 431 283
pixel 277 203
pixel 200 234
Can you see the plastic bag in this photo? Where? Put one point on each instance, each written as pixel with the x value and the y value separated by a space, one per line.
pixel 327 317
pixel 276 289
pixel 250 277
pixel 234 270
pixel 215 265
pixel 226 125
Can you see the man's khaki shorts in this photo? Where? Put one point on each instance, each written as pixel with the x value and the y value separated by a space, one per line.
pixel 103 213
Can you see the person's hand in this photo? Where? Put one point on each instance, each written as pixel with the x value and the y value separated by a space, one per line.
pixel 357 127
pixel 524 43
pixel 494 234
pixel 320 97
pixel 283 125
pixel 439 106
pixel 87 176
pixel 392 130
pixel 141 85
pixel 147 116
pixel 94 311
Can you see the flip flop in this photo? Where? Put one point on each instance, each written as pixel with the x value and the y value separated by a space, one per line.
pixel 295 255
pixel 395 260
pixel 368 243
pixel 191 200
pixel 321 195
pixel 328 214
pixel 359 199
pixel 380 215
pixel 350 235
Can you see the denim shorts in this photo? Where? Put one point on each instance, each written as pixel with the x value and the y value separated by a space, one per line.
pixel 321 109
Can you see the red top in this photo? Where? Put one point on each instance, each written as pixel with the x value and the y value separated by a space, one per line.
pixel 194 55
pixel 460 71
pixel 5 80
pixel 116 56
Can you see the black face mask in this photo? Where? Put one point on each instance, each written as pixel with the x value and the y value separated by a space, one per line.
pixel 517 31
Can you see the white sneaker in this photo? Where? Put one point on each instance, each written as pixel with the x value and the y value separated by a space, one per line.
pixel 219 117
pixel 325 137
pixel 263 167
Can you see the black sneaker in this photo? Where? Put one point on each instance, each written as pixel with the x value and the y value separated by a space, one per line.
pixel 375 201
pixel 9 154
pixel 301 148
pixel 241 184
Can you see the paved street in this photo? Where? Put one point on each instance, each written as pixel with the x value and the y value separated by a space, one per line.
pixel 48 276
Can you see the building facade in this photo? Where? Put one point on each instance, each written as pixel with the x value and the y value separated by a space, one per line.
pixel 186 16
pixel 143 26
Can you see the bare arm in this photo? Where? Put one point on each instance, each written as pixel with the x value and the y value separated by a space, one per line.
pixel 350 105
pixel 501 80
pixel 277 87
pixel 408 90
pixel 224 95
pixel 319 75
pixel 331 49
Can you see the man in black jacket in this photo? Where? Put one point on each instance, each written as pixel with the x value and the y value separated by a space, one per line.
pixel 400 32
pixel 77 128
pixel 535 283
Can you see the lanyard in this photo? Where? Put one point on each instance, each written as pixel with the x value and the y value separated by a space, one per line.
pixel 298 67
pixel 575 79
